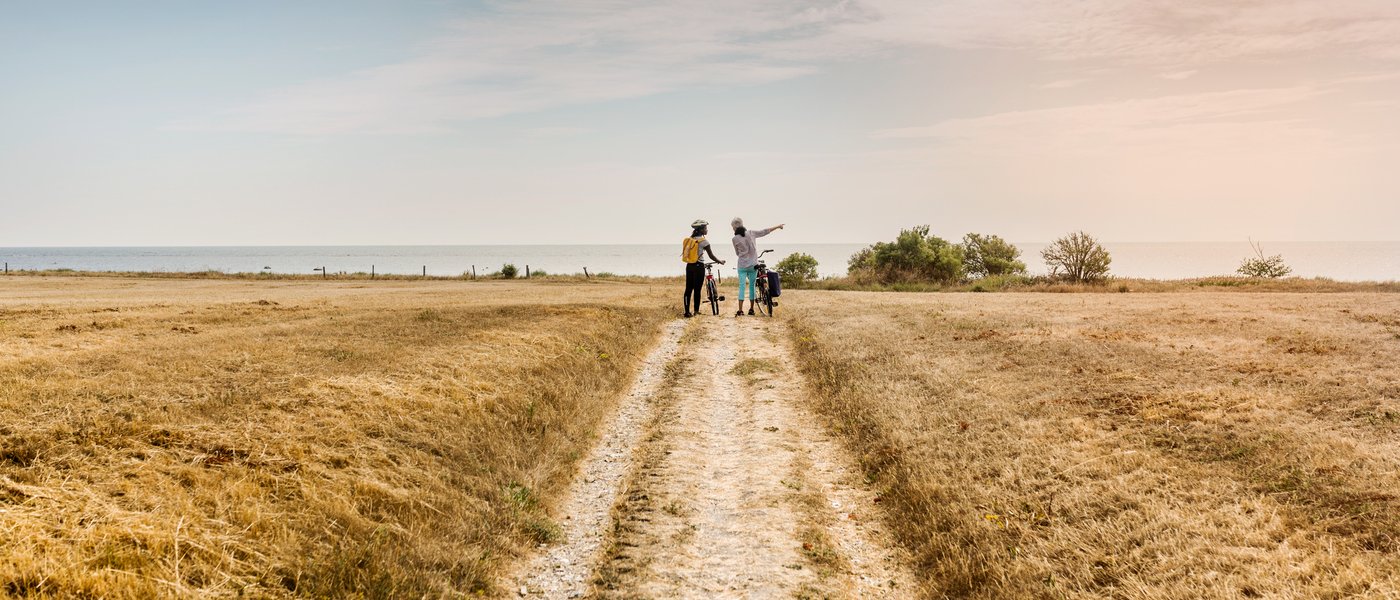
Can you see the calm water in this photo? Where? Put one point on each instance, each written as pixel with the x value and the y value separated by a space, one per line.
pixel 1348 261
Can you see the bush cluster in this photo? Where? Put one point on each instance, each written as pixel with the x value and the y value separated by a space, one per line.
pixel 797 269
pixel 919 256
pixel 989 255
pixel 916 255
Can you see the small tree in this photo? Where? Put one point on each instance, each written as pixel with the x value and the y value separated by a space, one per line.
pixel 1271 267
pixel 1077 257
pixel 985 255
pixel 798 269
pixel 508 271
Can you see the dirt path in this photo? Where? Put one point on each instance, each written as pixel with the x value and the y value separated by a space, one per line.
pixel 563 570
pixel 735 490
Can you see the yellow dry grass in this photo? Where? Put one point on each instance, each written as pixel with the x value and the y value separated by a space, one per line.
pixel 358 439
pixel 1181 445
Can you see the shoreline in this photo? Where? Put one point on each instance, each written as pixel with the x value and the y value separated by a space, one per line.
pixel 1035 284
pixel 1340 261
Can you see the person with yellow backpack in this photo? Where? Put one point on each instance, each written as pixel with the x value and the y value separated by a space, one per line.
pixel 694 269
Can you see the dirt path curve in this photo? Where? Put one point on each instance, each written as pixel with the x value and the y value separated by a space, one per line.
pixel 736 490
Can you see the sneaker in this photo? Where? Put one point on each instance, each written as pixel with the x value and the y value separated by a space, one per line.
pixel 739 313
pixel 750 312
pixel 688 315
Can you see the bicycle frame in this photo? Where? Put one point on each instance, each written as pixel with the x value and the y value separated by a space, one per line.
pixel 764 300
pixel 710 272
pixel 712 287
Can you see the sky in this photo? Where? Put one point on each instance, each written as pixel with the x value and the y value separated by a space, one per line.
pixel 186 122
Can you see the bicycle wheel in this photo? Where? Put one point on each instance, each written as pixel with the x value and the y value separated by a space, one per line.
pixel 768 301
pixel 712 296
pixel 765 304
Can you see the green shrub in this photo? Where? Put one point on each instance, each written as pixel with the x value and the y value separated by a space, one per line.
pixel 508 271
pixel 985 255
pixel 1077 257
pixel 1270 267
pixel 914 256
pixel 797 269
pixel 860 260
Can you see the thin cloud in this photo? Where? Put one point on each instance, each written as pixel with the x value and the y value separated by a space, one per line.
pixel 530 56
pixel 1147 32
pixel 556 132
pixel 1062 84
pixel 539 54
pixel 1179 75
pixel 1214 119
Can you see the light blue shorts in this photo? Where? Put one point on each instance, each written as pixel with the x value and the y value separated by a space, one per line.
pixel 748 277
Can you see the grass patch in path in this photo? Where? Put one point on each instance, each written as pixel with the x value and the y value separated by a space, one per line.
pixel 753 370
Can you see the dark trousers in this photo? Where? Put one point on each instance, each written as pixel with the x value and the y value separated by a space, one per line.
pixel 694 279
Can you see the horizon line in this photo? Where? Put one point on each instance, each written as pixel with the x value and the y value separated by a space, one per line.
pixel 537 244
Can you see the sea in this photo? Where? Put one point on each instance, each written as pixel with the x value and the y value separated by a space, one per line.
pixel 1343 261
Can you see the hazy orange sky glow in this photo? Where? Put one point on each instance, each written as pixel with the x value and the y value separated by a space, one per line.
pixel 545 121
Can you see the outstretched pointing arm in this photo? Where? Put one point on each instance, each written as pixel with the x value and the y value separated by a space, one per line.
pixel 763 232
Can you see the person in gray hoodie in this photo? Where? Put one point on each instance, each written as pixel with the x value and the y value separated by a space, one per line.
pixel 747 250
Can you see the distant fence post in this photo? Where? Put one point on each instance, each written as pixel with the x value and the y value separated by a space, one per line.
pixel 473 272
pixel 585 273
pixel 425 270
pixel 371 271
pixel 527 271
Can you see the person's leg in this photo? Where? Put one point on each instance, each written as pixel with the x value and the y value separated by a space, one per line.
pixel 685 296
pixel 699 277
pixel 753 298
pixel 692 289
pixel 746 282
pixel 739 278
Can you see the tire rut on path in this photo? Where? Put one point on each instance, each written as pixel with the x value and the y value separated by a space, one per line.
pixel 564 570
pixel 737 490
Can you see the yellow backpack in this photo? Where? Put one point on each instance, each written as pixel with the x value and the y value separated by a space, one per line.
pixel 690 249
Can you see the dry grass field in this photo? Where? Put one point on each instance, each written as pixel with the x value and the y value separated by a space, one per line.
pixel 1179 445
pixel 387 439
pixel 277 438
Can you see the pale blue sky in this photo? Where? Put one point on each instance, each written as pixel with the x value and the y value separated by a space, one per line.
pixel 541 121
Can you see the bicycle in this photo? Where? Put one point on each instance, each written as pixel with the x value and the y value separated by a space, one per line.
pixel 764 301
pixel 712 287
